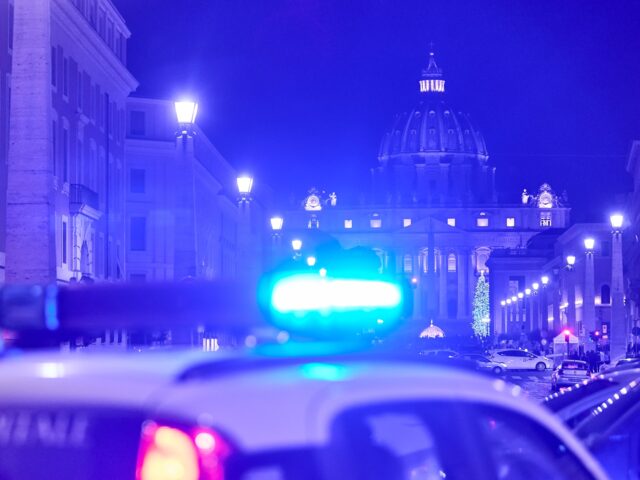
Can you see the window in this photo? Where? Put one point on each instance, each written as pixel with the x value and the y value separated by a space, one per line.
pixel 451 262
pixel 65 154
pixel 375 221
pixel 406 222
pixel 54 67
pixel 137 122
pixel 482 222
pixel 348 223
pixel 64 242
pixel 54 145
pixel 138 234
pixel 451 222
pixel 511 222
pixel 545 219
pixel 407 264
pixel 65 77
pixel 79 91
pixel 137 277
pixel 605 295
pixel 137 180
pixel 10 29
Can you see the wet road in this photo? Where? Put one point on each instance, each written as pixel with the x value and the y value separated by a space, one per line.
pixel 536 385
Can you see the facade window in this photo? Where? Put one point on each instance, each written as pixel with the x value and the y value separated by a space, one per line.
pixel 10 29
pixel 482 222
pixel 451 263
pixel 54 66
pixel 80 91
pixel 54 145
pixel 65 154
pixel 137 123
pixel 348 223
pixel 605 295
pixel 545 219
pixel 65 77
pixel 406 222
pixel 451 222
pixel 137 180
pixel 313 222
pixel 138 234
pixel 511 222
pixel 407 264
pixel 64 242
pixel 375 222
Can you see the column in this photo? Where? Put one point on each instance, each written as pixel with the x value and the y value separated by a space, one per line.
pixel 571 300
pixel 618 324
pixel 30 223
pixel 527 313
pixel 544 309
pixel 185 242
pixel 554 291
pixel 417 288
pixel 462 267
pixel 471 281
pixel 588 301
pixel 442 290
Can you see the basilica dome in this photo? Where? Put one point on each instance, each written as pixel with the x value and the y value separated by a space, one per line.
pixel 432 127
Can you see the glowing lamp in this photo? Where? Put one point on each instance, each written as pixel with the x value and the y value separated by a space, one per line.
pixel 544 279
pixel 508 301
pixel 503 303
pixel 589 243
pixel 520 295
pixel 186 112
pixel 535 286
pixel 276 223
pixel 311 261
pixel 245 183
pixel 296 244
pixel 514 299
pixel 566 331
pixel 527 291
pixel 617 220
pixel 571 260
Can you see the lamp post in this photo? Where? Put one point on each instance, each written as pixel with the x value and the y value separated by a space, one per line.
pixel 185 222
pixel 296 246
pixel 508 301
pixel 277 223
pixel 544 306
pixel 588 301
pixel 520 303
pixel 527 308
pixel 245 185
pixel 618 323
pixel 245 243
pixel 571 292
pixel 536 305
pixel 503 304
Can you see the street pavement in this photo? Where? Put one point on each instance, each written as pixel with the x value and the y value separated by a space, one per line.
pixel 535 385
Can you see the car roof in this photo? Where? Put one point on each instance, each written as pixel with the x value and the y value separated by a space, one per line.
pixel 570 360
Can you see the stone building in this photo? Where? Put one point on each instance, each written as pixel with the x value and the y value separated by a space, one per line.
pixel 433 215
pixel 65 85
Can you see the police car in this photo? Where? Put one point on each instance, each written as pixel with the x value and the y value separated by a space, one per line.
pixel 287 411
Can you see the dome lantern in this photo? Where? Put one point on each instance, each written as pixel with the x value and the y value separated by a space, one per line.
pixel 432 80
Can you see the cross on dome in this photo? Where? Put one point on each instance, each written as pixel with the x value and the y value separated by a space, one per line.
pixel 432 79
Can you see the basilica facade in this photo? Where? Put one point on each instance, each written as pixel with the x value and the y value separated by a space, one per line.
pixel 433 215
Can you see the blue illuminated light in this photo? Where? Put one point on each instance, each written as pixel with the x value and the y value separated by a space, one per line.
pixel 311 292
pixel 324 371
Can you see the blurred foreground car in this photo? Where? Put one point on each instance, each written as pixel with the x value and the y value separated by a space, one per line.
pixel 521 360
pixel 290 411
pixel 568 373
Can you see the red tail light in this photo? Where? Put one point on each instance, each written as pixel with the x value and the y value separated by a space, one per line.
pixel 168 453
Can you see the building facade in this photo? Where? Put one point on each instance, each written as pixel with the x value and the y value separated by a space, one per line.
pixel 183 218
pixel 66 89
pixel 433 215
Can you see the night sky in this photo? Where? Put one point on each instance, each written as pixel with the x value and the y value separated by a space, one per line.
pixel 300 92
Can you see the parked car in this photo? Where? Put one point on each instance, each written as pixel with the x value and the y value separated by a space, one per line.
pixel 483 363
pixel 568 373
pixel 521 360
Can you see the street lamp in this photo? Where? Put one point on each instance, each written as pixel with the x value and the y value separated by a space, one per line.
pixel 520 295
pixel 276 224
pixel 503 303
pixel 619 328
pixel 186 112
pixel 245 184
pixel 544 280
pixel 508 301
pixel 589 243
pixel 535 286
pixel 571 261
pixel 527 291
pixel 296 244
pixel 311 261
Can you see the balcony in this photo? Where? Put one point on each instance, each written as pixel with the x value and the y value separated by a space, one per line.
pixel 83 200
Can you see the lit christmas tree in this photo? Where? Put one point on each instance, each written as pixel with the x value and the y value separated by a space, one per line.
pixel 481 317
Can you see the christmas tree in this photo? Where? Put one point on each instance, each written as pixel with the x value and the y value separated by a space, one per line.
pixel 481 317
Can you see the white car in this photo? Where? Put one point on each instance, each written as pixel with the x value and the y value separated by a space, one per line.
pixel 516 359
pixel 196 415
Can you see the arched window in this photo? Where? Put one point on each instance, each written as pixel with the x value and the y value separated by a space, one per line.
pixel 451 263
pixel 605 295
